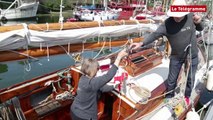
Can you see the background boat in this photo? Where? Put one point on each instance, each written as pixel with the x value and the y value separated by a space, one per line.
pixel 19 10
pixel 92 13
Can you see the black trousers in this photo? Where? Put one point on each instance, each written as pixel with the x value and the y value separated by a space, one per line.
pixel 174 69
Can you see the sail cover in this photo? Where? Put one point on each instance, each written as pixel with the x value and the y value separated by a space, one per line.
pixel 22 38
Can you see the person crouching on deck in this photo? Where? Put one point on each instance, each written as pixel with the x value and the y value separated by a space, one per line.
pixel 84 106
pixel 180 29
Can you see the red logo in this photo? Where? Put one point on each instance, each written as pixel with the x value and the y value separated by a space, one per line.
pixel 188 8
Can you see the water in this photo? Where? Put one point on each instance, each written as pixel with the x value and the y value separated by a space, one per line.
pixel 17 71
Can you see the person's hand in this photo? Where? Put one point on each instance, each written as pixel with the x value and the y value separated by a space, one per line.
pixel 135 46
pixel 122 53
pixel 197 19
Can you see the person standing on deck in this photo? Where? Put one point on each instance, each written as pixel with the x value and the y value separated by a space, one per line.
pixel 84 106
pixel 180 29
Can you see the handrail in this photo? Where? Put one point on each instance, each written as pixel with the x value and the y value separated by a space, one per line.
pixel 5 11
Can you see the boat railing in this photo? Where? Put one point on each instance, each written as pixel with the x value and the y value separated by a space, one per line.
pixel 5 11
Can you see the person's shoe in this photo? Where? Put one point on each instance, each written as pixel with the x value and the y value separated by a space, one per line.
pixel 187 100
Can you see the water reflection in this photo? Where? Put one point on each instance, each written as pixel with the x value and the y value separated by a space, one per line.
pixel 3 68
pixel 53 17
pixel 13 22
pixel 48 18
pixel 19 71
pixel 41 18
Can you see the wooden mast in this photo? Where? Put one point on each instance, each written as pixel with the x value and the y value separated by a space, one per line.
pixel 37 52
pixel 72 25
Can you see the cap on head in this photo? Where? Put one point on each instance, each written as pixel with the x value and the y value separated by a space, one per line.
pixel 177 14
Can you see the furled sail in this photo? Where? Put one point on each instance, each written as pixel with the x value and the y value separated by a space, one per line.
pixel 26 37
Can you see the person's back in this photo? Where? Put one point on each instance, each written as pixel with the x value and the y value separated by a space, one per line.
pixel 84 105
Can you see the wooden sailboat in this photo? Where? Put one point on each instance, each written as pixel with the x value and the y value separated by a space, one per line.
pixel 140 95
pixel 50 96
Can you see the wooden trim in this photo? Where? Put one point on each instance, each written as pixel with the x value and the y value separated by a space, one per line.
pixel 36 52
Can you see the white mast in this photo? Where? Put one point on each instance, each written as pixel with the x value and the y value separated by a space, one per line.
pixel 105 5
pixel 61 18
pixel 93 2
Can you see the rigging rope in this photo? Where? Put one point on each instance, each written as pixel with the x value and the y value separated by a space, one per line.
pixel 68 47
pixel 110 43
pixel 119 107
pixel 27 65
pixel 204 106
pixel 24 54
pixel 48 54
pixel 18 110
pixel 192 83
pixel 159 96
pixel 47 26
pixel 40 28
pixel 5 112
pixel 100 50
pixel 210 36
pixel 40 46
pixel 158 108
pixel 67 52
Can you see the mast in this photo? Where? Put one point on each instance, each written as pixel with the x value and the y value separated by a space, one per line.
pixel 146 5
pixel 71 25
pixel 167 4
pixel 105 5
pixel 61 18
pixel 93 2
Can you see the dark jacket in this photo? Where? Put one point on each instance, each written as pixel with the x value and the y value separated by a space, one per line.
pixel 85 103
pixel 180 35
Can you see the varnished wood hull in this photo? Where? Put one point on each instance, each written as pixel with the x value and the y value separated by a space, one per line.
pixel 113 105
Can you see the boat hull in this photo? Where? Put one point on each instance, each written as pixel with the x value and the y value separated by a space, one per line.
pixel 26 10
pixel 46 97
